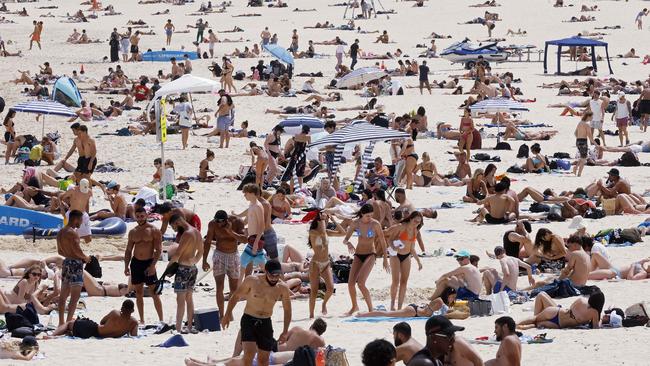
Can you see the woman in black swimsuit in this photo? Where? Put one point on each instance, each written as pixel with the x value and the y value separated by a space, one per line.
pixel 476 187
pixel 490 177
pixel 410 161
pixel 272 145
pixel 298 161
pixel 10 135
pixel 370 233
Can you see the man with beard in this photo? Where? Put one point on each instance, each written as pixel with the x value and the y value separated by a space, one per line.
pixel 261 293
pixel 443 348
pixel 509 353
pixel 406 345
pixel 140 258
pixel 189 252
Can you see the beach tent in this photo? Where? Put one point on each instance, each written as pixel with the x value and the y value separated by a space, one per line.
pixel 356 132
pixel 65 91
pixel 360 76
pixel 576 42
pixel 280 53
pixel 46 107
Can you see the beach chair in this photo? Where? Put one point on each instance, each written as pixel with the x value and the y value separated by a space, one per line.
pixel 391 184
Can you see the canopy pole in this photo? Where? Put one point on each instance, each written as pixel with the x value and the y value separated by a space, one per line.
pixel 546 58
pixel 559 59
pixel 192 104
pixel 609 65
pixel 593 58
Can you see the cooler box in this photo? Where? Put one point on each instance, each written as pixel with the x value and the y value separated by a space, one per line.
pixel 207 319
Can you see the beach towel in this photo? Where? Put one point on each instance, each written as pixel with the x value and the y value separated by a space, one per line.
pixel 520 126
pixel 176 340
pixel 380 319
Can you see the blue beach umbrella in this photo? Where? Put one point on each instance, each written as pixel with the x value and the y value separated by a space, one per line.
pixel 280 53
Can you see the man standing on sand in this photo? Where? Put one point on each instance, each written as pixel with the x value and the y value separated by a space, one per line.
pixel 75 146
pixel 87 160
pixel 424 77
pixel 78 199
pixel 639 18
pixel 597 108
pixel 509 353
pixel 212 39
pixel 265 36
pixel 115 324
pixel 169 30
pixel 643 106
pixel 134 39
pixel 140 257
pixel 189 252
pixel 583 134
pixel 226 231
pixel 72 271
pixel 354 52
pixel 510 269
pixel 35 36
pixel 261 293
pixel 405 344
pixel 253 254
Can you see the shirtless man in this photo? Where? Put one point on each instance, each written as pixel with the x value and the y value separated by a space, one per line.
pixel 78 199
pixel 297 337
pixel 212 39
pixel 443 348
pixel 117 202
pixel 583 134
pixel 87 150
pixel 509 353
pixel 261 293
pixel 405 206
pixel 466 279
pixel 498 208
pixel 578 262
pixel 255 218
pixel 75 146
pixel 169 30
pixel 134 39
pixel 115 324
pixel 176 70
pixel 189 252
pixel 269 236
pixel 140 258
pixel 615 185
pixel 265 36
pixel 67 245
pixel 510 269
pixel 405 345
pixel 226 231
pixel 189 216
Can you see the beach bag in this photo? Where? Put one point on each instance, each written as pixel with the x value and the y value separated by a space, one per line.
pixel 503 146
pixel 562 155
pixel 93 267
pixel 563 164
pixel 636 315
pixel 595 214
pixel 304 356
pixel 335 357
pixel 631 235
pixel 523 151
pixel 481 157
pixel 17 321
pixel 480 307
pixel 500 303
pixel 516 169
pixel 629 159
pixel 609 205
pixel 539 207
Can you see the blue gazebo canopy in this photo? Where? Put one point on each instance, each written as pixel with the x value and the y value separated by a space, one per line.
pixel 576 42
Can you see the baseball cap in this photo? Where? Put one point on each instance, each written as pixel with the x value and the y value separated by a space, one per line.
pixel 112 184
pixel 84 185
pixel 614 172
pixel 462 253
pixel 221 215
pixel 273 267
pixel 440 324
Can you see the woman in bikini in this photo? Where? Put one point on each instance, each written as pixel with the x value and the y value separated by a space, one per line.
pixel 402 238
pixel 410 161
pixel 157 163
pixel 204 167
pixel 319 266
pixel 27 290
pixel 272 145
pixel 476 187
pixel 442 305
pixel 10 135
pixel 428 169
pixel 226 78
pixel 550 249
pixel 549 314
pixel 280 207
pixel 370 233
pixel 260 160
pixel 296 148
pixel 466 130
pixel 490 177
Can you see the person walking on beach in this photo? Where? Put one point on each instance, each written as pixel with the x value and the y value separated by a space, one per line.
pixel 583 135
pixel 200 28
pixel 140 257
pixel 125 44
pixel 68 246
pixel 135 39
pixel 597 108
pixel 340 52
pixel 354 51
pixel 639 18
pixel 643 107
pixel 169 30
pixel 424 77
pixel 226 231
pixel 261 293
pixel 35 36
pixel 622 113
pixel 189 252
pixel 253 254
pixel 115 45
pixel 370 233
pixel 265 36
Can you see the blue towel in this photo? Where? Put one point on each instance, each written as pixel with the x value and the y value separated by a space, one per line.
pixel 620 245
pixel 379 319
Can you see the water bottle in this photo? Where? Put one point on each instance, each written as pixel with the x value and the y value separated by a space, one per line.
pixel 320 357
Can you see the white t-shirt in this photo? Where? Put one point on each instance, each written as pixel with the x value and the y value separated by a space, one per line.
pixel 595 106
pixel 184 109
pixel 340 49
pixel 599 248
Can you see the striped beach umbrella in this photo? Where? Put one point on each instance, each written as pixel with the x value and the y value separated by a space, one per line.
pixel 498 105
pixel 366 159
pixel 360 131
pixel 45 107
pixel 360 76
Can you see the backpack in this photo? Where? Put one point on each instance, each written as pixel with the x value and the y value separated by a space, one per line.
pixel 239 75
pixel 482 157
pixel 304 356
pixel 515 169
pixel 636 315
pixel 595 214
pixel 341 271
pixel 216 70
pixel 539 207
pixel 629 159
pixel 503 146
pixel 523 151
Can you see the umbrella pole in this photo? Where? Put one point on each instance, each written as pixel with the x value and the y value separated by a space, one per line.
pixel 192 104
pixel 43 127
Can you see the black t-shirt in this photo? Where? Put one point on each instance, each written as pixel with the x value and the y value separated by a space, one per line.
pixel 354 49
pixel 424 354
pixel 380 120
pixel 424 72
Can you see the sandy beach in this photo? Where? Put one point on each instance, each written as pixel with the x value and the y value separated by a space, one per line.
pixel 408 27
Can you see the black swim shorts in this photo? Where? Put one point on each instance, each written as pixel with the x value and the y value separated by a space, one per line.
pixel 138 272
pixel 82 165
pixel 583 148
pixel 258 330
pixel 495 221
pixel 85 328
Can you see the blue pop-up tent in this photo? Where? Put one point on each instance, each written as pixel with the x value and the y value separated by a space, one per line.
pixel 576 42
